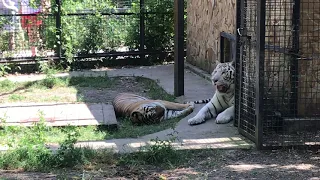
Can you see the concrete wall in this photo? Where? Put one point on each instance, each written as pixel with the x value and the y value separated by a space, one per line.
pixel 206 19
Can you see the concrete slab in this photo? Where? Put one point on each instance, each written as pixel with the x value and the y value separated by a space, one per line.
pixel 79 114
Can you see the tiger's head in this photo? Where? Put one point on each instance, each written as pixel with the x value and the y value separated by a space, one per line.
pixel 148 114
pixel 223 77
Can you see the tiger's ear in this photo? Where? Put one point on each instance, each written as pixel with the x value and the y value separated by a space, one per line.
pixel 233 63
pixel 159 111
pixel 136 117
pixel 217 62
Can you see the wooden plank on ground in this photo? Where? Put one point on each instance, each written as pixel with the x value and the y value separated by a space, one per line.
pixel 59 114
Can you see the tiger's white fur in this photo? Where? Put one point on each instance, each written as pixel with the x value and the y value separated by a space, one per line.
pixel 221 105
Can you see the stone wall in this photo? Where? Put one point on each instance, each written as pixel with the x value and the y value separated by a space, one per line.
pixel 206 19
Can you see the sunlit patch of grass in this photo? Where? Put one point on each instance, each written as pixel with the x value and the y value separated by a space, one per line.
pixel 16 97
pixel 50 89
pixel 87 133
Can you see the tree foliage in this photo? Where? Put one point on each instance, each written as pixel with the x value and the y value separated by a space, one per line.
pixel 89 26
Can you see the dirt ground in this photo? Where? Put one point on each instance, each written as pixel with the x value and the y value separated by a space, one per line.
pixel 78 93
pixel 106 95
pixel 215 164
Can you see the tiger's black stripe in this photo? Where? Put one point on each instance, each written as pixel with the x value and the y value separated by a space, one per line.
pixel 211 115
pixel 215 108
pixel 199 101
pixel 219 102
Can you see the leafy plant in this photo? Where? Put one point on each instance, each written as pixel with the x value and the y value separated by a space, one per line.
pixel 4 69
pixel 50 80
pixel 160 153
pixel 68 155
pixel 83 34
pixel 28 151
pixel 159 27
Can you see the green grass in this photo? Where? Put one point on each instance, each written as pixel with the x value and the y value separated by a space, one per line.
pixel 16 97
pixel 52 82
pixel 51 89
pixel 27 151
pixel 67 90
pixel 93 133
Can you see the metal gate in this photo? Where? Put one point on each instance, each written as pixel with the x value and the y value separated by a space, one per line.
pixel 278 72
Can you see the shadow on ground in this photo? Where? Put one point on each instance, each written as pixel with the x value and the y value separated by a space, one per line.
pixel 210 164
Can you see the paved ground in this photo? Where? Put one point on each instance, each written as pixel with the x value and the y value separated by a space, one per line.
pixel 78 114
pixel 205 135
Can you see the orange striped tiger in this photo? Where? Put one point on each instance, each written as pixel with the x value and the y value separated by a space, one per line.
pixel 142 110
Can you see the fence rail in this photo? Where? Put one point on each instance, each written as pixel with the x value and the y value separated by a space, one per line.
pixel 116 33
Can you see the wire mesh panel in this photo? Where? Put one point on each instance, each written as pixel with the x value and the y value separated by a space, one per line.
pixel 278 100
pixel 291 73
pixel 280 70
pixel 245 113
pixel 22 23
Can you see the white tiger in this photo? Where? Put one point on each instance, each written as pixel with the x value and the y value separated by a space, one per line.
pixel 221 105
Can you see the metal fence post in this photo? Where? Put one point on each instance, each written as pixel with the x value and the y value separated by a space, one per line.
pixel 179 47
pixel 58 29
pixel 142 30
pixel 238 60
pixel 294 70
pixel 261 30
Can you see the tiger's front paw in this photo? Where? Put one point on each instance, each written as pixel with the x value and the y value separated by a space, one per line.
pixel 195 121
pixel 223 118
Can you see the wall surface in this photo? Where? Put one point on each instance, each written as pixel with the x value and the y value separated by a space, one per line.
pixel 309 64
pixel 206 19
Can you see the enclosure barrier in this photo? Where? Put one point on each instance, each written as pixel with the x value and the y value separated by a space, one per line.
pixel 278 72
pixel 54 29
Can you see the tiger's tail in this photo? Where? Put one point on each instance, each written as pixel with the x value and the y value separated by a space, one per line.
pixel 203 101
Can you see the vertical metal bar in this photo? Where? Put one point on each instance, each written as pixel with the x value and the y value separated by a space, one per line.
pixel 58 29
pixel 294 59
pixel 222 49
pixel 232 50
pixel 179 47
pixel 261 30
pixel 142 30
pixel 238 59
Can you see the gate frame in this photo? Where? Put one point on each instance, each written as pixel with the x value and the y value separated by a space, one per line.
pixel 260 49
